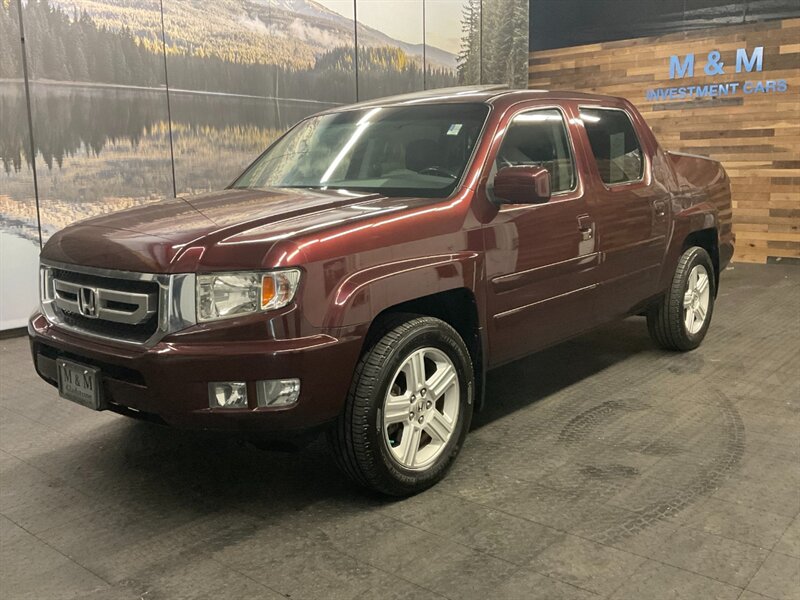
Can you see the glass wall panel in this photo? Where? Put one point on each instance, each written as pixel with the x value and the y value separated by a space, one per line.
pixel 108 113
pixel 19 236
pixel 99 107
pixel 240 73
pixel 391 51
pixel 453 42
pixel 504 51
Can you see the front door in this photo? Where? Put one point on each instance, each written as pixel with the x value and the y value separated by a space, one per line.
pixel 540 259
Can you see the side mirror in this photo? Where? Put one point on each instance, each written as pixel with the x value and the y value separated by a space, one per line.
pixel 522 185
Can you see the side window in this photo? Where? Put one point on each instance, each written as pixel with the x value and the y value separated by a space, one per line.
pixel 539 137
pixel 615 146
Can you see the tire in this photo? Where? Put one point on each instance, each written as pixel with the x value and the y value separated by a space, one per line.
pixel 388 410
pixel 680 320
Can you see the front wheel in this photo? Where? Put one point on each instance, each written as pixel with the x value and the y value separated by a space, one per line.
pixel 680 320
pixel 408 410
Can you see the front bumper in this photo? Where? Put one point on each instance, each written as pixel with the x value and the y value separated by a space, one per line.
pixel 169 381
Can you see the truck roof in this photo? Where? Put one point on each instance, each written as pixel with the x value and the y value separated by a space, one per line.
pixel 486 94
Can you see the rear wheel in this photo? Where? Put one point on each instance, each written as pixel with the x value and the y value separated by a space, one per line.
pixel 409 408
pixel 680 320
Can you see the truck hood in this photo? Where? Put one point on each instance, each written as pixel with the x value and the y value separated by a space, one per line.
pixel 181 235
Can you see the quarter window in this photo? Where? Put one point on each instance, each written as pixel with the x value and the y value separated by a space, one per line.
pixel 614 143
pixel 539 138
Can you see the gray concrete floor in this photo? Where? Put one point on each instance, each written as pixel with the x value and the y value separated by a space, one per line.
pixel 603 468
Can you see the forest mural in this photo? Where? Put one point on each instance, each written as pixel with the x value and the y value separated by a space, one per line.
pixel 133 101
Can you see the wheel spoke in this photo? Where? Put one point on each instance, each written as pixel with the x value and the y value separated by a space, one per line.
pixel 700 313
pixel 441 380
pixel 689 319
pixel 439 427
pixel 702 284
pixel 693 279
pixel 409 445
pixel 396 409
pixel 687 299
pixel 415 371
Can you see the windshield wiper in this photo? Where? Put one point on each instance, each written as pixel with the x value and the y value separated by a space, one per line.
pixel 311 187
pixel 301 187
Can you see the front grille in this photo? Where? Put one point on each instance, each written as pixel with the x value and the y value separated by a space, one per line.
pixel 135 333
pixel 125 285
pixel 133 308
pixel 119 306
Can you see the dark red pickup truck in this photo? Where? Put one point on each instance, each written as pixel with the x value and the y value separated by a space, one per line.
pixel 363 274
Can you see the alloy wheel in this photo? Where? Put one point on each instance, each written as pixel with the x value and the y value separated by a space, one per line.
pixel 696 299
pixel 421 407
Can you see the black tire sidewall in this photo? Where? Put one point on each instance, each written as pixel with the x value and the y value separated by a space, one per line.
pixel 696 256
pixel 433 334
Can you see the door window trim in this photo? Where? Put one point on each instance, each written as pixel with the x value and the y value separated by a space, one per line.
pixel 576 184
pixel 645 159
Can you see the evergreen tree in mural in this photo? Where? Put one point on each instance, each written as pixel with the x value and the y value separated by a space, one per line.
pixel 10 67
pixel 383 70
pixel 505 42
pixel 468 60
pixel 72 47
pixel 14 146
pixel 494 42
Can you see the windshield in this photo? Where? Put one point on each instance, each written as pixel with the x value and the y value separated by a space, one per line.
pixel 396 151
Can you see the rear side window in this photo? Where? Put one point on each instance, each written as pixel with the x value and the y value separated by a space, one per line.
pixel 539 138
pixel 614 143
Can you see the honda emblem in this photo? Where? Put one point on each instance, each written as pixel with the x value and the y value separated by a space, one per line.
pixel 87 302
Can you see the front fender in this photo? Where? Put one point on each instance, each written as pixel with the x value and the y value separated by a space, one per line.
pixel 363 294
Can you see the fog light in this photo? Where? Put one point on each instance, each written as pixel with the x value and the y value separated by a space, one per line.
pixel 278 392
pixel 228 394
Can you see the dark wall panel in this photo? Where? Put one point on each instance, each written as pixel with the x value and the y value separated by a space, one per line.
pixel 564 23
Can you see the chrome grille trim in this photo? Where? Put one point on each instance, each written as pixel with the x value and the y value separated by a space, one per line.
pixel 121 315
pixel 69 297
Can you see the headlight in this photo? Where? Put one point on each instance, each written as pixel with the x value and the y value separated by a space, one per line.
pixel 225 295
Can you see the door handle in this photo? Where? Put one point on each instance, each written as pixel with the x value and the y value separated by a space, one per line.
pixel 660 208
pixel 586 227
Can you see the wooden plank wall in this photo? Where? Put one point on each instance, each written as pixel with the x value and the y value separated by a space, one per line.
pixel 755 136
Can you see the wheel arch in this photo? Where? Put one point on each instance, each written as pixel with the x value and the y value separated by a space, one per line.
pixel 697 225
pixel 708 240
pixel 458 308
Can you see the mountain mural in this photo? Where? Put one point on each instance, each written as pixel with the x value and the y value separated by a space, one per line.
pixel 106 135
pixel 283 32
pixel 221 49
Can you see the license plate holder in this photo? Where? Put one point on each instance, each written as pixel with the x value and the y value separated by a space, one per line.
pixel 79 383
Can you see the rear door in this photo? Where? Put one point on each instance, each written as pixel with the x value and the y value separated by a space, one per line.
pixel 629 206
pixel 540 259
